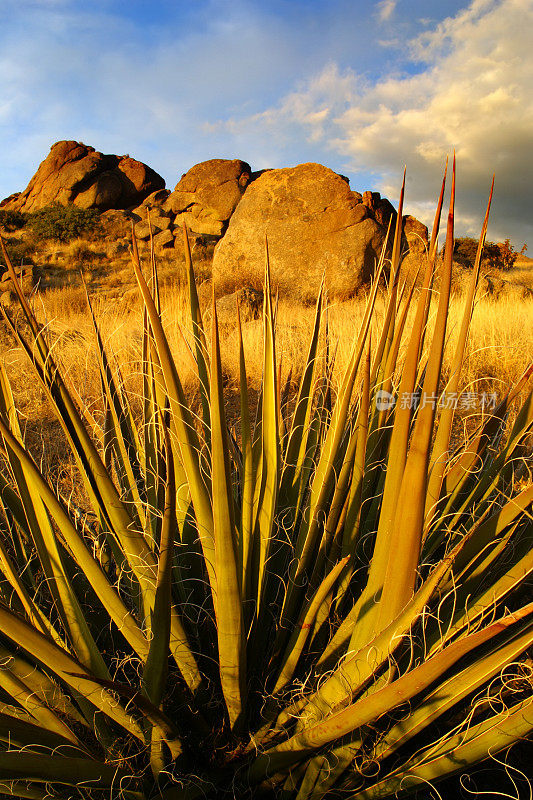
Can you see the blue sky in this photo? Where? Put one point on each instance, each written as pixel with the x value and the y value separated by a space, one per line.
pixel 363 87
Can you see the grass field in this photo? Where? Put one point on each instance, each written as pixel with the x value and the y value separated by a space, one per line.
pixel 500 347
pixel 501 338
pixel 500 344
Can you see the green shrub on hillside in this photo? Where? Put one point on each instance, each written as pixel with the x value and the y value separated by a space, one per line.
pixel 500 255
pixel 63 223
pixel 12 220
pixel 21 251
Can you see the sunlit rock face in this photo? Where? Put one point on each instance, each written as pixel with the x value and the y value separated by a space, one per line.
pixel 314 223
pixel 208 194
pixel 75 173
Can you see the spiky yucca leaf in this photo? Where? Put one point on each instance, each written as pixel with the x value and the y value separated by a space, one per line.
pixel 259 610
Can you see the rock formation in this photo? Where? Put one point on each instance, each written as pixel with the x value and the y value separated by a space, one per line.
pixel 75 173
pixel 207 195
pixel 314 224
pixel 250 304
pixel 415 244
pixel 382 209
pixel 204 199
pixel 415 233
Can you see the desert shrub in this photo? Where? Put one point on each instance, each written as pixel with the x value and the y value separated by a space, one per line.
pixel 500 255
pixel 81 253
pixel 12 220
pixel 464 251
pixel 63 223
pixel 332 603
pixel 21 250
pixel 203 247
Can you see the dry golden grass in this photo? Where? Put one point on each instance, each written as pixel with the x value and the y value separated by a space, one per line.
pixel 501 339
pixel 522 271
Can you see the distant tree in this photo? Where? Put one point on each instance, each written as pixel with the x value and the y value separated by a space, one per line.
pixel 500 255
pixel 505 255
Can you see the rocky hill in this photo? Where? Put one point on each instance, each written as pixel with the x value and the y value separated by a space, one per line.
pixel 75 173
pixel 314 221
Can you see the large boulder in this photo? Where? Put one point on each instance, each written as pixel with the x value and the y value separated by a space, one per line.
pixel 206 196
pixel 75 173
pixel 314 224
pixel 415 234
pixel 415 247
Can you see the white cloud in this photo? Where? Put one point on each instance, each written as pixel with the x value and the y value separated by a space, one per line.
pixel 472 92
pixel 385 10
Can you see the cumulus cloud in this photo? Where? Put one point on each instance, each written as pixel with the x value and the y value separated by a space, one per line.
pixel 468 87
pixel 309 109
pixel 125 83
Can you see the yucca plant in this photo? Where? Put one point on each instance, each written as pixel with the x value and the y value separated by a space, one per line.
pixel 330 600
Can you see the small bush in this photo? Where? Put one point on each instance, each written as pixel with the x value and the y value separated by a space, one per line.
pixel 464 251
pixel 64 223
pixel 81 253
pixel 501 255
pixel 12 220
pixel 21 250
